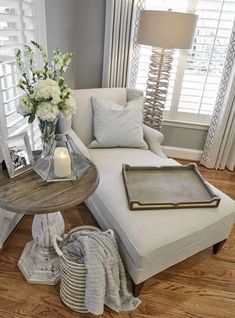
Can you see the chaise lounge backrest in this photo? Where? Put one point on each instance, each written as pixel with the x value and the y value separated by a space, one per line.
pixel 82 120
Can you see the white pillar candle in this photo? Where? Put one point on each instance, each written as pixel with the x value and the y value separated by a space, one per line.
pixel 62 162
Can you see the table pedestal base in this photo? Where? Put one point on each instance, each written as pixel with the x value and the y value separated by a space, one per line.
pixel 39 262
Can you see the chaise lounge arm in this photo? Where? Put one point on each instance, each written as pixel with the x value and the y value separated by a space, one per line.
pixel 78 143
pixel 154 139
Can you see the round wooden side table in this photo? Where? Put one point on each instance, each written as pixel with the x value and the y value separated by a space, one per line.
pixel 28 194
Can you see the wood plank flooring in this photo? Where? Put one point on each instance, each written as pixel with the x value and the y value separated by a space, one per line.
pixel 202 286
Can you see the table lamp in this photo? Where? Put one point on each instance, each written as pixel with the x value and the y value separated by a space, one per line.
pixel 164 31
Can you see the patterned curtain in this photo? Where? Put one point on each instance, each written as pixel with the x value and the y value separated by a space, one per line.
pixel 135 47
pixel 120 48
pixel 219 150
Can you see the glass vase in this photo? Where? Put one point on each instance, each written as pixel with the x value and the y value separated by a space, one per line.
pixel 47 129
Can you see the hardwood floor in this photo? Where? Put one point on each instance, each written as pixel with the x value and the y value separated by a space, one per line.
pixel 202 286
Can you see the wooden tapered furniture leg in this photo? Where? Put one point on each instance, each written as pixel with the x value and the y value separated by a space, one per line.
pixel 136 288
pixel 218 246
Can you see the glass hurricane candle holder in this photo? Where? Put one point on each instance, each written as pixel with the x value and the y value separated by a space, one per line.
pixel 64 161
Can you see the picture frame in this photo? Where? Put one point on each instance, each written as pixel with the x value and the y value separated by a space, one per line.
pixel 17 154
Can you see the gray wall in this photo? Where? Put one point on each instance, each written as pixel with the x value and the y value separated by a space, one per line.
pixel 78 26
pixel 189 138
pixel 61 21
pixel 91 21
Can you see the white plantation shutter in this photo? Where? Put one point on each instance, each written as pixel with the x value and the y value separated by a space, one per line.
pixel 11 121
pixel 197 72
pixel 19 24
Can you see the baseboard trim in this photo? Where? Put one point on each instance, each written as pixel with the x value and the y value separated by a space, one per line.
pixel 182 153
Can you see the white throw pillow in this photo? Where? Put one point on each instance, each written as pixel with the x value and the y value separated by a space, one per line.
pixel 118 126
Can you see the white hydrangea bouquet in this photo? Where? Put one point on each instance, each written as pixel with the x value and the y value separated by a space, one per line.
pixel 46 96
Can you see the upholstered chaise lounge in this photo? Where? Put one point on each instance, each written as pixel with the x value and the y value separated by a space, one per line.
pixel 152 240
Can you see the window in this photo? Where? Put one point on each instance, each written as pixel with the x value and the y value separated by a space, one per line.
pixel 18 25
pixel 196 73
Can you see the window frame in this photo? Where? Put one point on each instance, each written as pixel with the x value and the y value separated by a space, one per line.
pixel 173 114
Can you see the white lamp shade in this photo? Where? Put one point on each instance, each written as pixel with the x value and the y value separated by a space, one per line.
pixel 167 29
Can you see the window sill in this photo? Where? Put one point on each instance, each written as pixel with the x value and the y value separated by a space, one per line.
pixel 184 124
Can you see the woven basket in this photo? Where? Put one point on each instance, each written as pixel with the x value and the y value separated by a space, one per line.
pixel 73 275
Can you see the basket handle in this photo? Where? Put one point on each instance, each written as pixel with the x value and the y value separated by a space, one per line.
pixel 111 233
pixel 55 245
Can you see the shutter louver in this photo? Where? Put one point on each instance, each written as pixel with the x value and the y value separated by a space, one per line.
pixel 17 27
pixel 195 77
pixel 206 59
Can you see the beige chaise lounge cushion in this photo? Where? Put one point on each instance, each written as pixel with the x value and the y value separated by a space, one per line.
pixel 154 239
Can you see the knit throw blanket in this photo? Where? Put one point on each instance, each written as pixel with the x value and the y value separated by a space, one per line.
pixel 106 282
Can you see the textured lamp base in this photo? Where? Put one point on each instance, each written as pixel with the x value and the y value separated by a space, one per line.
pixel 39 262
pixel 157 86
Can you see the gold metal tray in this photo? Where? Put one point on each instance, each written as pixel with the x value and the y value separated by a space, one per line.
pixel 169 187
